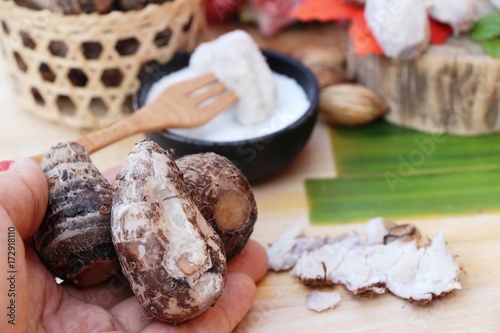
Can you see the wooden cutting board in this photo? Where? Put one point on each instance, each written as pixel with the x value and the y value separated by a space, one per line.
pixel 280 303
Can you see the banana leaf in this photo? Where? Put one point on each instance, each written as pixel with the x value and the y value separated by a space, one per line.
pixel 390 171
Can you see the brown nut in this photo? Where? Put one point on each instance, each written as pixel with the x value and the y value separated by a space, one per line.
pixel 350 105
pixel 224 197
pixel 74 239
pixel 169 253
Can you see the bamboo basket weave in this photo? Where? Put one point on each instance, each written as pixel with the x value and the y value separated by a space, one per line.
pixel 82 70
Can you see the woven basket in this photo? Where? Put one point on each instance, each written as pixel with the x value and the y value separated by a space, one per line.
pixel 82 70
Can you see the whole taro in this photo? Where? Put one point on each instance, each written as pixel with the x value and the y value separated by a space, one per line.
pixel 74 239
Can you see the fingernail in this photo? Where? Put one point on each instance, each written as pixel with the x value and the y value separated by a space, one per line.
pixel 5 165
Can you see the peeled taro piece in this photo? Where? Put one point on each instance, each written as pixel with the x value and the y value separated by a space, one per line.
pixel 74 239
pixel 388 260
pixel 171 256
pixel 461 15
pixel 224 197
pixel 284 252
pixel 401 28
pixel 257 92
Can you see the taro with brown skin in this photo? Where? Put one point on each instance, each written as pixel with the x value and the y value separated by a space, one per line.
pixel 74 239
pixel 224 197
pixel 171 256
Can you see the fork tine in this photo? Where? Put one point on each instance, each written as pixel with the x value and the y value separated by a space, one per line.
pixel 211 91
pixel 198 82
pixel 219 103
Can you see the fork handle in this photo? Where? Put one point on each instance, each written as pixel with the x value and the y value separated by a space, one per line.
pixel 108 135
pixel 103 137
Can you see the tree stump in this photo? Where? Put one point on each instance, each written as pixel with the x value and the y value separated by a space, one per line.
pixel 452 88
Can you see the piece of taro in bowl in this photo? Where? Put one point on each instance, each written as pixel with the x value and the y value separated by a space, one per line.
pixel 259 157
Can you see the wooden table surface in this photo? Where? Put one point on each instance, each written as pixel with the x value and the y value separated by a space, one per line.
pixel 280 303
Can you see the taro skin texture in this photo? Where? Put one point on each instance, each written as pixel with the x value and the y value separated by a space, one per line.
pixel 224 197
pixel 74 239
pixel 172 258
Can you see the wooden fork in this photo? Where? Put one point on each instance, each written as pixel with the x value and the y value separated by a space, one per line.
pixel 184 104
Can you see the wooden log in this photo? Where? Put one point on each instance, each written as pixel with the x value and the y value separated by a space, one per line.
pixel 452 88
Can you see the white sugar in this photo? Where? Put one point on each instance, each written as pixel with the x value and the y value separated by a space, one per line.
pixel 291 104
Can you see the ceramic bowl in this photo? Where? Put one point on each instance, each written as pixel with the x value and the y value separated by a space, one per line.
pixel 260 157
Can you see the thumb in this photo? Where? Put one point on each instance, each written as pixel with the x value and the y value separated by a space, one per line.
pixel 23 195
pixel 23 201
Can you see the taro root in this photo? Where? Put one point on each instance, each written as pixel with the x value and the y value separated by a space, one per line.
pixel 169 253
pixel 224 197
pixel 74 240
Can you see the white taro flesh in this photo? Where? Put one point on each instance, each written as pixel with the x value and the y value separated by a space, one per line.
pixel 401 27
pixel 389 258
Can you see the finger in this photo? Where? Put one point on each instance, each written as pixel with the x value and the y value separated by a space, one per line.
pixel 24 196
pixel 107 294
pixel 23 200
pixel 131 315
pixel 252 261
pixel 232 306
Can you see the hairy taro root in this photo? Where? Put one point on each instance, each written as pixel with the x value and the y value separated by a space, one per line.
pixel 172 257
pixel 74 239
pixel 224 197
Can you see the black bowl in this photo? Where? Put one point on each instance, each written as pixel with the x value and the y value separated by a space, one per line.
pixel 260 157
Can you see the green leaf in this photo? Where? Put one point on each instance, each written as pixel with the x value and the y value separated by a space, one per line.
pixel 398 173
pixel 486 28
pixel 397 197
pixel 382 147
pixel 492 47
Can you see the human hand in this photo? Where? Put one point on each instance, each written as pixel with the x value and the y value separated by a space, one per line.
pixel 36 303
